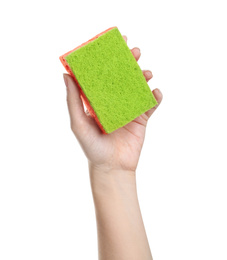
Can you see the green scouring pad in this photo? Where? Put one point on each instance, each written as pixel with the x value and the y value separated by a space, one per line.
pixel 110 81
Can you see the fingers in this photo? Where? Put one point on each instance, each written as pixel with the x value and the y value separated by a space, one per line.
pixel 136 53
pixel 80 122
pixel 147 74
pixel 158 96
pixel 125 38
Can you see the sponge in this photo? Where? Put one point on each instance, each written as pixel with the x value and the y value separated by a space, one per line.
pixel 111 83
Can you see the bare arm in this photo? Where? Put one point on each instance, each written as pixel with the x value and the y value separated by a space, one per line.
pixel 113 160
pixel 121 233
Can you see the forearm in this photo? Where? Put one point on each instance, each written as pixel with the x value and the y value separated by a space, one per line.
pixel 121 233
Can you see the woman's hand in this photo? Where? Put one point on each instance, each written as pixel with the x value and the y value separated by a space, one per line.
pixel 119 150
pixel 121 233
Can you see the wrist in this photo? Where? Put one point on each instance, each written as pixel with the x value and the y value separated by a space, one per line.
pixel 108 180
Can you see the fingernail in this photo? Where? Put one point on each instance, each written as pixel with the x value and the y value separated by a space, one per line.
pixel 138 49
pixel 149 74
pixel 65 79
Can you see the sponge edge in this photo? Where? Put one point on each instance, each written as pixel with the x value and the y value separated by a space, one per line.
pixel 111 83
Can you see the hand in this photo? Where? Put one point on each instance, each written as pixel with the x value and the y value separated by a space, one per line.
pixel 119 150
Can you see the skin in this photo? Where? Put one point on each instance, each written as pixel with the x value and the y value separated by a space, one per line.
pixel 112 162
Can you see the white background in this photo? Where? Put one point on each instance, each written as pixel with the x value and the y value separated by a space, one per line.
pixel 46 207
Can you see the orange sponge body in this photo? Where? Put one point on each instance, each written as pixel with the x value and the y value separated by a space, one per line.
pixel 83 96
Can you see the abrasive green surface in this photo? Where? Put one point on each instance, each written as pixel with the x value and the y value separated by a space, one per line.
pixel 112 80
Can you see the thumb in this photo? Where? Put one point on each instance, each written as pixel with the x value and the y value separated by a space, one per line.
pixel 80 122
